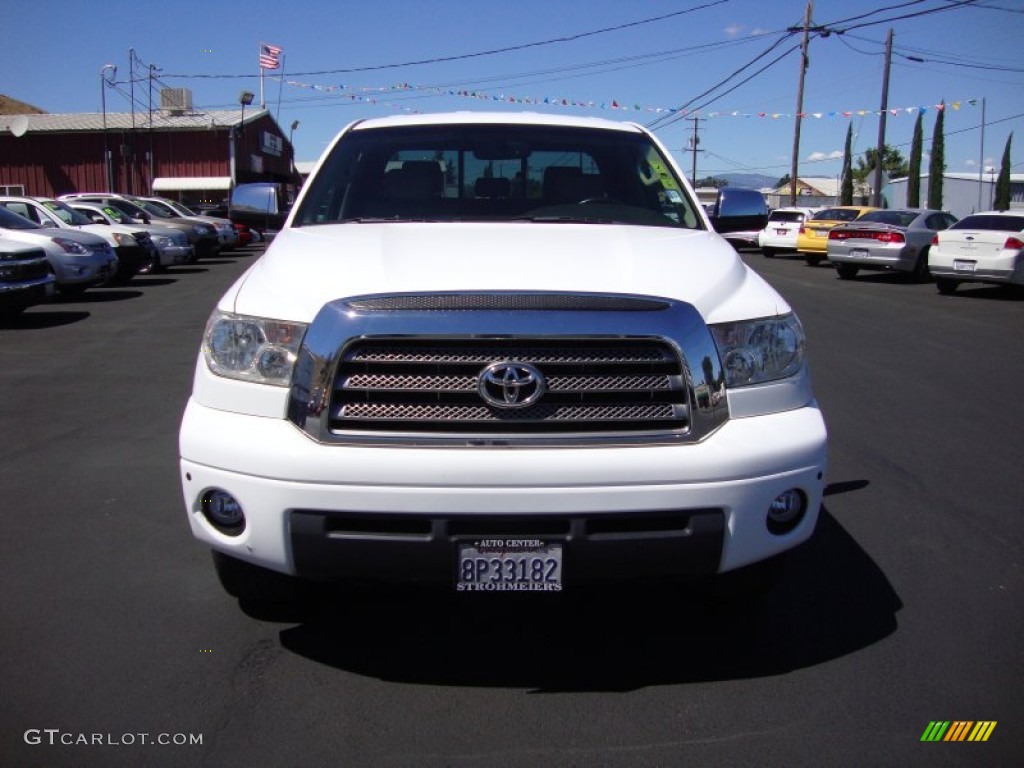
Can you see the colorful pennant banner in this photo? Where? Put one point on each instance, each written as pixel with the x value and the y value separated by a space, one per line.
pixel 377 95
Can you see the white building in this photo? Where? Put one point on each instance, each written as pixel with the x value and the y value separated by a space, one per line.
pixel 962 193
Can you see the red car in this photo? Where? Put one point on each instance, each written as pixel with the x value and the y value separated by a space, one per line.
pixel 244 234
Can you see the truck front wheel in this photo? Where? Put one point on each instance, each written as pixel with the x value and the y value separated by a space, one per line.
pixel 258 585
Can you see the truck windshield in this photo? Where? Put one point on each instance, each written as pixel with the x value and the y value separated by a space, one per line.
pixel 483 172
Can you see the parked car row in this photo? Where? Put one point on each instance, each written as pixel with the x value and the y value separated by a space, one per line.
pixel 922 243
pixel 77 242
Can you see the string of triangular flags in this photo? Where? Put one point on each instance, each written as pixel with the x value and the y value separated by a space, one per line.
pixel 377 96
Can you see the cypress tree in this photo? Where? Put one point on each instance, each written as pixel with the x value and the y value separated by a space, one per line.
pixel 846 187
pixel 914 169
pixel 1002 201
pixel 937 166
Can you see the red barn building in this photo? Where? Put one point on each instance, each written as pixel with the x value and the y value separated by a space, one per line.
pixel 176 152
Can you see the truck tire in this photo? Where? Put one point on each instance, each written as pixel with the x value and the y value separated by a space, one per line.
pixel 254 584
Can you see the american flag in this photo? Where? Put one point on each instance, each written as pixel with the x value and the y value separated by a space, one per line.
pixel 270 56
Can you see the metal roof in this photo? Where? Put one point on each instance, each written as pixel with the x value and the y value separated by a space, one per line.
pixel 163 120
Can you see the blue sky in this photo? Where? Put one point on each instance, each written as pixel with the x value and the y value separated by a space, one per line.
pixel 600 54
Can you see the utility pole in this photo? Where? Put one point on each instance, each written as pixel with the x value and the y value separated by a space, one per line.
pixel 131 147
pixel 807 28
pixel 981 157
pixel 152 69
pixel 692 146
pixel 795 169
pixel 876 192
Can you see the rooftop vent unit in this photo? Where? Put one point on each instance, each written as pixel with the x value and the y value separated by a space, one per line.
pixel 176 100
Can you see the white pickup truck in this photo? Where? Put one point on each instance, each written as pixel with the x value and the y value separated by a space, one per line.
pixel 505 353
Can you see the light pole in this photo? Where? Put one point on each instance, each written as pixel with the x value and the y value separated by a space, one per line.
pixel 103 100
pixel 244 98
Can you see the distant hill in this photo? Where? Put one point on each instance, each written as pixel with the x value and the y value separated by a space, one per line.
pixel 9 106
pixel 748 180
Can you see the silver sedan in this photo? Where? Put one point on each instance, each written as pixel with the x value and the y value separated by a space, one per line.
pixel 888 239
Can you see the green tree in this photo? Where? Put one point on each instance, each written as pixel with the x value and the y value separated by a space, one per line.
pixel 914 168
pixel 711 181
pixel 846 186
pixel 1002 201
pixel 893 163
pixel 937 164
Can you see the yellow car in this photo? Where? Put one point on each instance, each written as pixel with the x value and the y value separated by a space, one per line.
pixel 812 241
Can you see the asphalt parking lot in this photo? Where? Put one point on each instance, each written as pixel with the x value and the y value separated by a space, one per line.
pixel 905 608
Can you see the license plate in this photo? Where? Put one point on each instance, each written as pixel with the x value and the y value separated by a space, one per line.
pixel 964 266
pixel 820 232
pixel 858 253
pixel 780 231
pixel 509 565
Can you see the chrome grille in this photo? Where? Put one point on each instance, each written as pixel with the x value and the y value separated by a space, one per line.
pixel 473 369
pixel 431 386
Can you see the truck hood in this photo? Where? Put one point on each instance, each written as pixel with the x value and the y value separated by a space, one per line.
pixel 305 268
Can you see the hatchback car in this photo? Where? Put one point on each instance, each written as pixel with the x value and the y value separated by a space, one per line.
pixel 135 251
pixel 812 240
pixel 202 236
pixel 779 235
pixel 79 260
pixel 171 244
pixel 980 248
pixel 896 239
pixel 172 209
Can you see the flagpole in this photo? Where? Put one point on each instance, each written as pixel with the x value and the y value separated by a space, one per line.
pixel 259 53
pixel 280 87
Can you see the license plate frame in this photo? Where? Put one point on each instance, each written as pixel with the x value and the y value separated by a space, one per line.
pixel 519 564
pixel 859 253
pixel 963 265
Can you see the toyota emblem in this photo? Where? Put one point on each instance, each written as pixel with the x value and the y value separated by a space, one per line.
pixel 510 385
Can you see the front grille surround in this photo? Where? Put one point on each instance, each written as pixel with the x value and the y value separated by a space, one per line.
pixel 616 367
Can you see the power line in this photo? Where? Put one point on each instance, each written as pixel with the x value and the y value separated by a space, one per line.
pixel 681 112
pixel 490 52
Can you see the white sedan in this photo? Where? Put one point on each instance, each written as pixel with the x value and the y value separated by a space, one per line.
pixel 780 233
pixel 980 248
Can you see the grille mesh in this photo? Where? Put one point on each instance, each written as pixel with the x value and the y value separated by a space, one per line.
pixel 431 386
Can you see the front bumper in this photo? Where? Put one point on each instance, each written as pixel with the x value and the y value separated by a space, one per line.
pixel 706 502
pixel 175 254
pixel 131 259
pixel 17 296
pixel 91 270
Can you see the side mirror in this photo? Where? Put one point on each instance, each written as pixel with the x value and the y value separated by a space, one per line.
pixel 97 219
pixel 739 210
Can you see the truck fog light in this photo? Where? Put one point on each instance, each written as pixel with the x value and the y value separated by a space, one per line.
pixel 786 511
pixel 223 511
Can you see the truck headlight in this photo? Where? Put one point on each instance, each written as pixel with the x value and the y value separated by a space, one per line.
pixel 756 351
pixel 252 349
